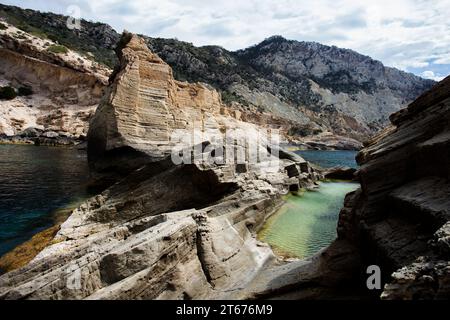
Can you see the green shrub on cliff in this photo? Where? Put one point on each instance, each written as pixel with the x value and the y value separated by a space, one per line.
pixel 7 93
pixel 25 91
pixel 56 48
pixel 91 38
pixel 3 26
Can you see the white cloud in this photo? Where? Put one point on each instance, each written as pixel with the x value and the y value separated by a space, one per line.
pixel 442 59
pixel 408 34
pixel 431 75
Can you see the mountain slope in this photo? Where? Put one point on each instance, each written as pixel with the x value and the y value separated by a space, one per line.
pixel 53 90
pixel 345 91
pixel 306 88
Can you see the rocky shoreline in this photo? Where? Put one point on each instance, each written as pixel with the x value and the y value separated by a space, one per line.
pixel 182 225
pixel 37 137
pixel 24 253
pixel 189 228
pixel 326 141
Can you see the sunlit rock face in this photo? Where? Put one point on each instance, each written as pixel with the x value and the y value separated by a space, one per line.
pixel 65 88
pixel 145 105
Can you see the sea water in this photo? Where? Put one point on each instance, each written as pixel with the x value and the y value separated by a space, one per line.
pixel 34 182
pixel 329 159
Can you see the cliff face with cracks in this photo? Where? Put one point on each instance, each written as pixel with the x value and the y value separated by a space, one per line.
pixel 400 216
pixel 163 230
pixel 64 88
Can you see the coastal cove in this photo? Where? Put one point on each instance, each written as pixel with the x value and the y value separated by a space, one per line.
pixel 36 185
pixel 170 201
pixel 307 222
pixel 41 185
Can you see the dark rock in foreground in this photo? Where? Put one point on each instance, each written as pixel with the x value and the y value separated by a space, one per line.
pixel 340 173
pixel 400 216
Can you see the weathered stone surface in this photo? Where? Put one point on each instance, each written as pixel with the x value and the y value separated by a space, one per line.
pixel 64 89
pixel 186 231
pixel 424 279
pixel 340 173
pixel 164 230
pixel 400 215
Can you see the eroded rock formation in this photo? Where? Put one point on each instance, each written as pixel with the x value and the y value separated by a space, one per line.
pixel 164 230
pixel 400 216
pixel 64 88
pixel 186 230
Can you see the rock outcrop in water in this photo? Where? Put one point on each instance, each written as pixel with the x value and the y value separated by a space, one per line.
pixel 400 216
pixel 164 230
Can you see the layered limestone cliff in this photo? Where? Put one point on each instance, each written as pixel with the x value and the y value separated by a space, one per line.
pixel 165 229
pixel 64 88
pixel 400 216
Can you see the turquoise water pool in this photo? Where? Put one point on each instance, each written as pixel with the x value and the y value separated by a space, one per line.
pixel 307 222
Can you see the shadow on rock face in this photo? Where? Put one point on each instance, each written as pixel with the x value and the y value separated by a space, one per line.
pixel 162 187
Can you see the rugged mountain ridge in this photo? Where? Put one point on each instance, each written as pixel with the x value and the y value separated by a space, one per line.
pixel 306 88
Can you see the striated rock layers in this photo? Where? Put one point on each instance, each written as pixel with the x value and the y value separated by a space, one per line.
pixel 169 229
pixel 400 216
pixel 327 95
pixel 64 88
pixel 164 229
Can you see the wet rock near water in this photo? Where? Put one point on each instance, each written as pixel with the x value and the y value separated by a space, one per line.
pixel 340 173
pixel 163 230
pixel 400 216
pixel 39 137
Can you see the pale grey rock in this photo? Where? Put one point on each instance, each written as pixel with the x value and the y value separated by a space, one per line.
pixel 163 230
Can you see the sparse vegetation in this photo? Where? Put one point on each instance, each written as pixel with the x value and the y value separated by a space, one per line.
pixel 3 26
pixel 53 27
pixel 39 34
pixel 25 91
pixel 229 97
pixel 56 48
pixel 7 93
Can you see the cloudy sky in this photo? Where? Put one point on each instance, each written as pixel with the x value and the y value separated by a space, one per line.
pixel 412 35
